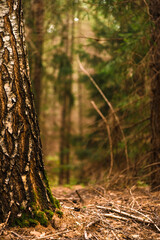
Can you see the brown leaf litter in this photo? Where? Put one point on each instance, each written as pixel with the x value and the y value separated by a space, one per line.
pixel 95 213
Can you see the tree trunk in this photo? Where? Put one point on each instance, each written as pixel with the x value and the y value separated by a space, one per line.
pixel 65 129
pixel 154 7
pixel 68 160
pixel 24 188
pixel 80 89
pixel 38 18
pixel 63 143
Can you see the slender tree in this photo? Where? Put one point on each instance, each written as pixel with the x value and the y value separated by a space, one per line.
pixel 24 188
pixel 35 39
pixel 38 32
pixel 154 7
pixel 66 97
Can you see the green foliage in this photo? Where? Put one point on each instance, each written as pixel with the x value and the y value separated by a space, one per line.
pixel 116 53
pixel 141 184
pixel 119 60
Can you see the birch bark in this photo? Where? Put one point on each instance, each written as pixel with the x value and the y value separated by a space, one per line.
pixel 23 184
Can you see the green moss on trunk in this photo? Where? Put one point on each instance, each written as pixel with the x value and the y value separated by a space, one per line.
pixel 26 219
pixel 35 213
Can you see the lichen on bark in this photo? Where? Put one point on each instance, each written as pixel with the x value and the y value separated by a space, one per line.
pixel 24 188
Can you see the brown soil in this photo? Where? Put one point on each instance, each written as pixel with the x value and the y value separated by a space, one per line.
pixel 94 213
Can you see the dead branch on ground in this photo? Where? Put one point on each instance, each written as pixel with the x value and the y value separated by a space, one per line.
pixel 145 219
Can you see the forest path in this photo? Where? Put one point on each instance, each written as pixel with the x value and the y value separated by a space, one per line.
pixel 96 213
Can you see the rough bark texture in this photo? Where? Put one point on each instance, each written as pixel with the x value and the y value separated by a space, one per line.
pixel 23 185
pixel 154 7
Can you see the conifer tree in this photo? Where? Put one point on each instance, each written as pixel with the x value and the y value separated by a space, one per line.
pixel 154 7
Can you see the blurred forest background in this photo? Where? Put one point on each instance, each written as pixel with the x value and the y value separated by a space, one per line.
pixel 90 71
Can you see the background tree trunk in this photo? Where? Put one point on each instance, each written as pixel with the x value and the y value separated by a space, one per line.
pixel 37 71
pixel 65 128
pixel 154 6
pixel 23 184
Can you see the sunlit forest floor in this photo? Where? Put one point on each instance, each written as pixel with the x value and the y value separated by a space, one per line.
pixel 94 213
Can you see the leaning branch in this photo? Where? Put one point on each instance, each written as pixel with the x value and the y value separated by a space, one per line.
pixel 111 107
pixel 109 136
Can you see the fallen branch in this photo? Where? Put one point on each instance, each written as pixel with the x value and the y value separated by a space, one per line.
pixel 110 215
pixel 17 235
pixel 145 220
pixel 125 214
pixel 142 214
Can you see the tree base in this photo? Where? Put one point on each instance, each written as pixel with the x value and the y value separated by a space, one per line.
pixel 26 219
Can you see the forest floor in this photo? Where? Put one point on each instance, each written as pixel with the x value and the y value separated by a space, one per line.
pixel 96 213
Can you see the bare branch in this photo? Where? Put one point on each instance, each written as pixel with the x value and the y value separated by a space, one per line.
pixel 111 107
pixel 109 136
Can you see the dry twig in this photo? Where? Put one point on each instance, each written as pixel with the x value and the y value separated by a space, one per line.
pixel 117 238
pixel 110 215
pixel 111 107
pixel 81 199
pixel 3 225
pixel 109 137
pixel 17 235
pixel 145 218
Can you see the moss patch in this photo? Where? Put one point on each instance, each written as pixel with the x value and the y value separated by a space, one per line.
pixel 53 200
pixel 49 214
pixel 21 222
pixel 25 220
pixel 28 220
pixel 41 218
pixel 37 213
pixel 59 213
pixel 33 222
